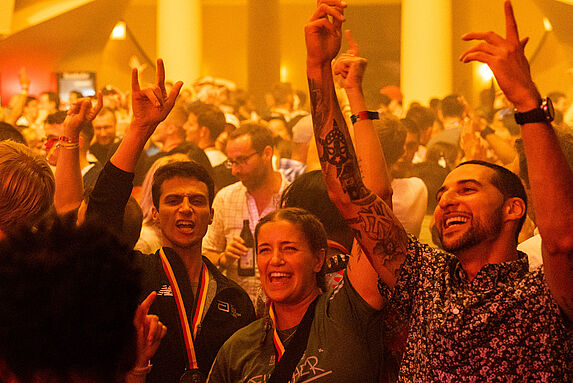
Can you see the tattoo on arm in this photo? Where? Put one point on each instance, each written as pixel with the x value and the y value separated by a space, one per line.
pixel 318 108
pixel 373 223
pixel 376 225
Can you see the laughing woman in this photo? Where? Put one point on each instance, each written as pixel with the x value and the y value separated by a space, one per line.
pixel 308 334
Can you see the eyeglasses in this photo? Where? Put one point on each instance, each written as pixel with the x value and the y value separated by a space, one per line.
pixel 240 161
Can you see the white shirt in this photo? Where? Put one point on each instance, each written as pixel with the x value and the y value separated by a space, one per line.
pixel 409 203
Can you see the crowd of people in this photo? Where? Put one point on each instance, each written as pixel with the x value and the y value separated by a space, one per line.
pixel 175 233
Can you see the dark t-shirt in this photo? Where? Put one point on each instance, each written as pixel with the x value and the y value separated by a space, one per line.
pixel 343 346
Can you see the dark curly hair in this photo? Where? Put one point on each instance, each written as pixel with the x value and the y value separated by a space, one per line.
pixel 69 295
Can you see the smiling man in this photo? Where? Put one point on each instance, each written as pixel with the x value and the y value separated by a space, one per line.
pixel 476 313
pixel 200 307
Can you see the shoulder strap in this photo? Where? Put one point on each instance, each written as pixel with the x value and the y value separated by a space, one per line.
pixel 286 365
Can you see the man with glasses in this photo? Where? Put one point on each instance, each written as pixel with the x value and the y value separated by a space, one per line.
pixel 250 153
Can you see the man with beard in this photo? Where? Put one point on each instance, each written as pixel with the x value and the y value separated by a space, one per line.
pixel 479 314
pixel 250 153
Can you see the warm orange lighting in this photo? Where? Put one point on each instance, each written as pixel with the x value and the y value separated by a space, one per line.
pixel 284 73
pixel 485 73
pixel 118 32
pixel 547 25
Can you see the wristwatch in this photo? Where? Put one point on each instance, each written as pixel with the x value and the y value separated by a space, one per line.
pixel 543 113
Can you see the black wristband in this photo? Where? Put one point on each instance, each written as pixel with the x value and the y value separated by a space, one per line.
pixel 365 115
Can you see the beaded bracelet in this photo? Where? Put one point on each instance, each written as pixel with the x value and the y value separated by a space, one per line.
pixel 141 371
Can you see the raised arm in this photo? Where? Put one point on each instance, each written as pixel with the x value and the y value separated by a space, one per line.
pixel 378 232
pixel 69 186
pixel 351 67
pixel 550 176
pixel 150 107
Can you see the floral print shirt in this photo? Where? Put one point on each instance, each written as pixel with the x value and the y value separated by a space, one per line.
pixel 502 326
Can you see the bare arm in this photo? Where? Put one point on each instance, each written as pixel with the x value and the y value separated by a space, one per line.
pixel 550 176
pixel 378 232
pixel 350 67
pixel 69 184
pixel 18 106
pixel 111 192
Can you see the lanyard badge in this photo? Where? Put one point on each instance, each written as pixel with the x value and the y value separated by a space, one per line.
pixel 189 330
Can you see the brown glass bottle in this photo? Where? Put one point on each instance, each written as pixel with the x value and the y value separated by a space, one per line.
pixel 247 262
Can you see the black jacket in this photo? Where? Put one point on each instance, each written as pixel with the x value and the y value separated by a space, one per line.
pixel 229 310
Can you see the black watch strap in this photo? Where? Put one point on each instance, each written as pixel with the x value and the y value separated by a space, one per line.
pixel 543 113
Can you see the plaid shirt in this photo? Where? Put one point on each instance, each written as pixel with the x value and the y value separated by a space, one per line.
pixel 232 205
pixel 502 326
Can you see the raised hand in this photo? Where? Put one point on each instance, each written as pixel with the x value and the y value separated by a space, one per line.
pixel 506 59
pixel 349 67
pixel 80 113
pixel 323 36
pixel 149 330
pixel 152 105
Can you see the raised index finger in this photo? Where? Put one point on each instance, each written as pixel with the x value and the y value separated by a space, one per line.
pixel 352 46
pixel 511 33
pixel 161 76
pixel 134 81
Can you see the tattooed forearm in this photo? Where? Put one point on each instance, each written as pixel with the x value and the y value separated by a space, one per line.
pixel 317 107
pixel 377 232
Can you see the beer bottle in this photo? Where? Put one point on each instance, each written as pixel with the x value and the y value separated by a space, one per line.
pixel 247 262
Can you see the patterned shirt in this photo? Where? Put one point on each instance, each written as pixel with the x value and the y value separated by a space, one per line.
pixel 502 326
pixel 231 206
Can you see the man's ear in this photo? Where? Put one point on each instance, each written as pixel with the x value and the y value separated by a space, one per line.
pixel 268 152
pixel 155 214
pixel 514 208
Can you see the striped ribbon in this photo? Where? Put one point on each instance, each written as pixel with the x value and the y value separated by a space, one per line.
pixel 189 332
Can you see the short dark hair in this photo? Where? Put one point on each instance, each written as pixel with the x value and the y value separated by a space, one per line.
pixel 308 191
pixel 281 92
pixel 451 106
pixel 69 295
pixel 213 119
pixel 309 225
pixel 105 110
pixel 183 169
pixel 507 182
pixel 29 99
pixel 56 118
pixel 261 137
pixel 392 136
pixel 8 132
pixel 410 126
pixel 423 117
